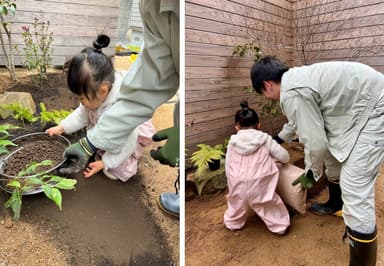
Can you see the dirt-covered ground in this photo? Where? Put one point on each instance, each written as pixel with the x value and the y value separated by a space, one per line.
pixel 103 222
pixel 311 241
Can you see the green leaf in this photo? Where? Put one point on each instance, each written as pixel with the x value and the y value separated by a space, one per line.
pixel 63 183
pixel 3 150
pixel 13 9
pixel 43 107
pixel 14 183
pixel 53 194
pixel 5 127
pixel 4 11
pixel 14 202
pixel 32 167
pixel 5 142
pixel 206 154
pixel 35 181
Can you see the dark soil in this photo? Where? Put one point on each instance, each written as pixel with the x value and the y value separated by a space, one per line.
pixel 53 89
pixel 33 152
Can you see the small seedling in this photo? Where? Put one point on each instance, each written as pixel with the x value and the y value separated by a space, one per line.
pixel 206 154
pixel 51 185
pixel 19 112
pixel 54 116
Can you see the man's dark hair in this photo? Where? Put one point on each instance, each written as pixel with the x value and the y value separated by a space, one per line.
pixel 268 68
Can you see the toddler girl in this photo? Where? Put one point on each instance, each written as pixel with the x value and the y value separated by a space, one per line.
pixel 252 175
pixel 92 78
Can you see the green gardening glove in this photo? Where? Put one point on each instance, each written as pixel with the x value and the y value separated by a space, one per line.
pixel 306 180
pixel 169 153
pixel 76 156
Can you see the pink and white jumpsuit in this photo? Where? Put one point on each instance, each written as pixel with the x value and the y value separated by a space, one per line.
pixel 121 165
pixel 252 177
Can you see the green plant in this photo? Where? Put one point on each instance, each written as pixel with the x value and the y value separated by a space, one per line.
pixel 225 145
pixel 50 184
pixel 248 49
pixel 7 7
pixel 4 135
pixel 54 116
pixel 19 112
pixel 206 154
pixel 38 48
pixel 269 107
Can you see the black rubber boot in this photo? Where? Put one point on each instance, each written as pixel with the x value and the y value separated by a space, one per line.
pixel 362 248
pixel 334 204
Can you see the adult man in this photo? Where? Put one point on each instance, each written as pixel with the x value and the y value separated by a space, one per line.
pixel 336 107
pixel 151 81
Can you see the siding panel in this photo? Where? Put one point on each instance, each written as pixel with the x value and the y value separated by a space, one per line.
pixel 215 80
pixel 340 30
pixel 75 24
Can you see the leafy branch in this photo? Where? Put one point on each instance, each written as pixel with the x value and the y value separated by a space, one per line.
pixel 269 107
pixel 51 185
pixel 4 135
pixel 38 48
pixel 248 49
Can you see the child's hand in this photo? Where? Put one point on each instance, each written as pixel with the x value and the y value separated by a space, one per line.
pixel 57 130
pixel 93 168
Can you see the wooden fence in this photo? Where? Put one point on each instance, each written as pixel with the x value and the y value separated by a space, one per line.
pixel 215 80
pixel 340 30
pixel 74 23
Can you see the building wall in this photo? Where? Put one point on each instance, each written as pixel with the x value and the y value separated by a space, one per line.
pixel 340 30
pixel 215 79
pixel 74 23
pixel 130 20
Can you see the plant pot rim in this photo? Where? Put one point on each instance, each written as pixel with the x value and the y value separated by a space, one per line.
pixel 4 159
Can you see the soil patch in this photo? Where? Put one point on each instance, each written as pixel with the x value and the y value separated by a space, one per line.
pixel 36 151
pixel 311 241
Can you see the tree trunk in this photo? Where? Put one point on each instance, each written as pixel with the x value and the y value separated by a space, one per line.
pixel 10 64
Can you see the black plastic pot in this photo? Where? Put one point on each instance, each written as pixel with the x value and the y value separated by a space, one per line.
pixel 214 165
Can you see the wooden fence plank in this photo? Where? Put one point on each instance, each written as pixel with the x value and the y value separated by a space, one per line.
pixel 26 17
pixel 110 3
pixel 66 8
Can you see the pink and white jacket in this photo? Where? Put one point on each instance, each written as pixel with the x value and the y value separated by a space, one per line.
pixel 124 163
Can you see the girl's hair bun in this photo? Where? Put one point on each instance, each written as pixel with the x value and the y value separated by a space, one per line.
pixel 244 105
pixel 102 41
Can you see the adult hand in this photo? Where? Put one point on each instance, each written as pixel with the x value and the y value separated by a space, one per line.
pixel 76 157
pixel 169 153
pixel 306 180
